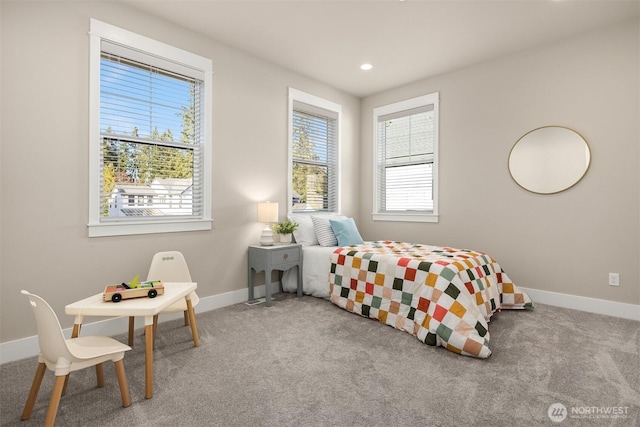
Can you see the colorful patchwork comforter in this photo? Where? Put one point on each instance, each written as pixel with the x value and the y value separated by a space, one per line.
pixel 443 296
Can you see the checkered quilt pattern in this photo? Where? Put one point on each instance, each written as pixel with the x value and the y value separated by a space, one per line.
pixel 443 296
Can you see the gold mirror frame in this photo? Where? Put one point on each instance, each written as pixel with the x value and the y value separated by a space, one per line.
pixel 549 159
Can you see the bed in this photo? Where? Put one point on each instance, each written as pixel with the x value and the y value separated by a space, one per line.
pixel 441 295
pixel 315 273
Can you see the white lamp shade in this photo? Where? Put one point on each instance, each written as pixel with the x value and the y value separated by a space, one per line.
pixel 267 212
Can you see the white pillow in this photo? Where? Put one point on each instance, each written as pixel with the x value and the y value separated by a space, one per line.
pixel 323 230
pixel 304 234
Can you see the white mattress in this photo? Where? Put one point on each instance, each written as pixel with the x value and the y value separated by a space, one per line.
pixel 315 272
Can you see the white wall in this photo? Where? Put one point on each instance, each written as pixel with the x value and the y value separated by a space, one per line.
pixel 44 154
pixel 565 243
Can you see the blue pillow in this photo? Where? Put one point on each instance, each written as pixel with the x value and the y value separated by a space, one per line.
pixel 346 232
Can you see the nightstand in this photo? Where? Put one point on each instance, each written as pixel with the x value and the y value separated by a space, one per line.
pixel 277 257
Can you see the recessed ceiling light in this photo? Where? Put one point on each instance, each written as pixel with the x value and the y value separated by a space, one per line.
pixel 366 67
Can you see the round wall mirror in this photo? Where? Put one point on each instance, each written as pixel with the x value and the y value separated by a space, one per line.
pixel 549 159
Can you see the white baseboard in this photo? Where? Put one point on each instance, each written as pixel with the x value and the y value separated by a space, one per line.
pixel 28 347
pixel 591 305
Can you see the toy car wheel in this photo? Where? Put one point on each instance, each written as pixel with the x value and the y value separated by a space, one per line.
pixel 116 297
pixel 152 293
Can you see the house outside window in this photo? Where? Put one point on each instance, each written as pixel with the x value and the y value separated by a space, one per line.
pixel 314 129
pixel 406 160
pixel 150 135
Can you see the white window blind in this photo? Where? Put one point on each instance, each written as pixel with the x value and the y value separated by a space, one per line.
pixel 151 156
pixel 314 158
pixel 151 170
pixel 406 145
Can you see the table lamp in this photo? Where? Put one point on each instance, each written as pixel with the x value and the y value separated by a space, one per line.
pixel 267 213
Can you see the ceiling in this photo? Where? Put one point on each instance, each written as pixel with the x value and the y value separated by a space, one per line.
pixel 405 41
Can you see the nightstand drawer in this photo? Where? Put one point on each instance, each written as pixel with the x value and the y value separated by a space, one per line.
pixel 285 256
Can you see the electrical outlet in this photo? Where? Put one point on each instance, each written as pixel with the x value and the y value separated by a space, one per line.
pixel 614 279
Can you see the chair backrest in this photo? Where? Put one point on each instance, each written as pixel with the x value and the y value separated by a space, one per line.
pixel 169 266
pixel 50 336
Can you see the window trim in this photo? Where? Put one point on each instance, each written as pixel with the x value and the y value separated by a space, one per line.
pixel 100 31
pixel 320 106
pixel 408 104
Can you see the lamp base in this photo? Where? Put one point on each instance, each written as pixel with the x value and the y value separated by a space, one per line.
pixel 266 238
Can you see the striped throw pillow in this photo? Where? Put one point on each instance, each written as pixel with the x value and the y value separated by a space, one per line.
pixel 323 230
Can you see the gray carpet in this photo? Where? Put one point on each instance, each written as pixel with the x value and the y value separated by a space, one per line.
pixel 305 362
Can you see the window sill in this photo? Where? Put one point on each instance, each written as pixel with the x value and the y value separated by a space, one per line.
pixel 130 228
pixel 405 217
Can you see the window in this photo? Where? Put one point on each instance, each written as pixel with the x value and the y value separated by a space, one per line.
pixel 150 135
pixel 406 160
pixel 313 153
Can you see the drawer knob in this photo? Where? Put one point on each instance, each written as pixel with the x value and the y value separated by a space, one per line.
pixel 286 256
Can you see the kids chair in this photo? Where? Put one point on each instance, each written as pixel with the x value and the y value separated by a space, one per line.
pixel 64 356
pixel 169 266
